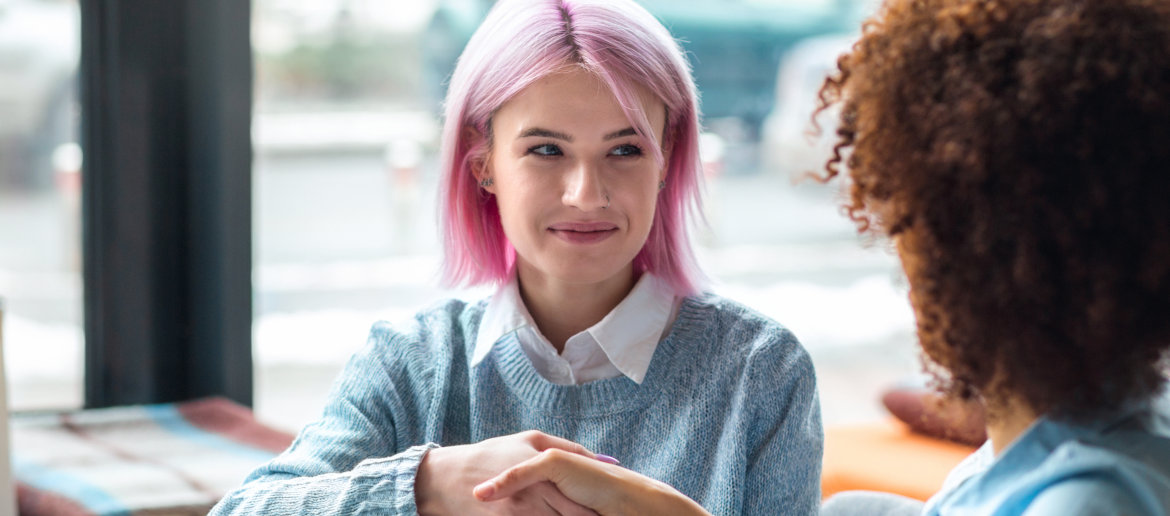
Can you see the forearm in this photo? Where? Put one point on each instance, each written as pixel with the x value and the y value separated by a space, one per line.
pixel 374 486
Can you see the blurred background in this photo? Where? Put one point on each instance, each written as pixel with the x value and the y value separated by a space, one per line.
pixel 345 125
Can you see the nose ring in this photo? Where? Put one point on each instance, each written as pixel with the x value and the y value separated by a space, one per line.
pixel 606 207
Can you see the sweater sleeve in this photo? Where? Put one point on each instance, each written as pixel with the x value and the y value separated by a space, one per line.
pixel 353 460
pixel 374 486
pixel 784 464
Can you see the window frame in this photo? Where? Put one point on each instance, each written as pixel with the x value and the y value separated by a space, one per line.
pixel 166 113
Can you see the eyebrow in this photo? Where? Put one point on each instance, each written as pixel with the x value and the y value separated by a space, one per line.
pixel 629 131
pixel 545 133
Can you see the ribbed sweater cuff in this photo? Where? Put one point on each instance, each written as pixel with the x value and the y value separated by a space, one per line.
pixel 401 470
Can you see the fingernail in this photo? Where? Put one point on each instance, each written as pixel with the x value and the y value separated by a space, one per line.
pixel 607 459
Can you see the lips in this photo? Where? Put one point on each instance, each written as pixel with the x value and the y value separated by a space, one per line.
pixel 585 232
pixel 583 227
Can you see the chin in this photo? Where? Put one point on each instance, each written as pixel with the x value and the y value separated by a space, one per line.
pixel 588 272
pixel 586 277
pixel 584 267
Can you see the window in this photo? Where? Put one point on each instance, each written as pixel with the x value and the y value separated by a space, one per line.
pixel 40 169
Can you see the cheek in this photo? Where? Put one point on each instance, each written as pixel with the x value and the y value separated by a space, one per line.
pixel 643 206
pixel 510 185
pixel 523 207
pixel 513 206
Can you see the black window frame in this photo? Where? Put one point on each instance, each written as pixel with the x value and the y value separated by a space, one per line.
pixel 166 103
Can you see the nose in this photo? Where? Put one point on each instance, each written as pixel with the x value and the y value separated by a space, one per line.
pixel 584 187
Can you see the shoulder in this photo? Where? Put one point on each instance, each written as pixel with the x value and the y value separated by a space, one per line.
pixel 760 367
pixel 1093 494
pixel 1087 475
pixel 742 329
pixel 767 351
pixel 722 316
pixel 1102 474
pixel 444 328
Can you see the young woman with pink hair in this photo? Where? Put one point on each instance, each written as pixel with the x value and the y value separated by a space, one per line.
pixel 570 172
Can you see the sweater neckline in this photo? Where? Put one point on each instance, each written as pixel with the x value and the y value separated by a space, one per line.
pixel 602 397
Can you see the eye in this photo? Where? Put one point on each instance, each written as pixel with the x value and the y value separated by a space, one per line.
pixel 545 150
pixel 627 150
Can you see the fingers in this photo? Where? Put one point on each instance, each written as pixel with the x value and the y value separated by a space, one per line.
pixel 541 468
pixel 542 441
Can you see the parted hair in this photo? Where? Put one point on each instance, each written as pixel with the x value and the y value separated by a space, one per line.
pixel 1017 152
pixel 522 41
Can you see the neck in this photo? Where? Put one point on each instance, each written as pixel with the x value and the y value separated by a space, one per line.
pixel 561 310
pixel 1006 423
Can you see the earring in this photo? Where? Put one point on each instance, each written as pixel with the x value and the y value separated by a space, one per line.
pixel 486 183
pixel 661 185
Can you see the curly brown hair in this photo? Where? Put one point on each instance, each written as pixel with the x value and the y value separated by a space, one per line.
pixel 1017 152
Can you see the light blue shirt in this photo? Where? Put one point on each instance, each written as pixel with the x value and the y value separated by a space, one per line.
pixel 1112 465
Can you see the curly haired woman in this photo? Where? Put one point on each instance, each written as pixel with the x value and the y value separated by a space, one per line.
pixel 1016 154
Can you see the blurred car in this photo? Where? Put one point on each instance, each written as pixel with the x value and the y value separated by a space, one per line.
pixel 733 45
pixel 38 87
pixel 790 144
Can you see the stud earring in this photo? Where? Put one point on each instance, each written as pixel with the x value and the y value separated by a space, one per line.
pixel 661 185
pixel 486 182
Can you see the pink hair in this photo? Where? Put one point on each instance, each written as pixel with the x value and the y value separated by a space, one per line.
pixel 522 41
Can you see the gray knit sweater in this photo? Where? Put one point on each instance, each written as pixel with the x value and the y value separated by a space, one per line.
pixel 727 413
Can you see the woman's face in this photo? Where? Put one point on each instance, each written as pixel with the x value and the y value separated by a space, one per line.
pixel 575 186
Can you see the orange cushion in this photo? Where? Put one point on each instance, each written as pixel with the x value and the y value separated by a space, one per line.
pixel 887 457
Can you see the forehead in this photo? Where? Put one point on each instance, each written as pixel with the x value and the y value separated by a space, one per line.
pixel 575 98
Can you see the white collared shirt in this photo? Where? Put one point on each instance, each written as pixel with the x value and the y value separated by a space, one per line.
pixel 623 342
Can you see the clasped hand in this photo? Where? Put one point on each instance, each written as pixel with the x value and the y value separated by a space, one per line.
pixel 447 476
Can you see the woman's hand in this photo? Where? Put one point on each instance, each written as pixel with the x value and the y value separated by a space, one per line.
pixel 608 489
pixel 447 475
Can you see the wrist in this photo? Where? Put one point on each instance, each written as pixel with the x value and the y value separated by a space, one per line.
pixel 427 491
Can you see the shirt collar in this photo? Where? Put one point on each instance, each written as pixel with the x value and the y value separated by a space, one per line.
pixel 628 334
pixel 505 314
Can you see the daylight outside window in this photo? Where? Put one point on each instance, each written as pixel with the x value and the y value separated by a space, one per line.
pixel 40 179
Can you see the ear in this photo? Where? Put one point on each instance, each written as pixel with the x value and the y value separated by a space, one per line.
pixel 480 162
pixel 667 149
